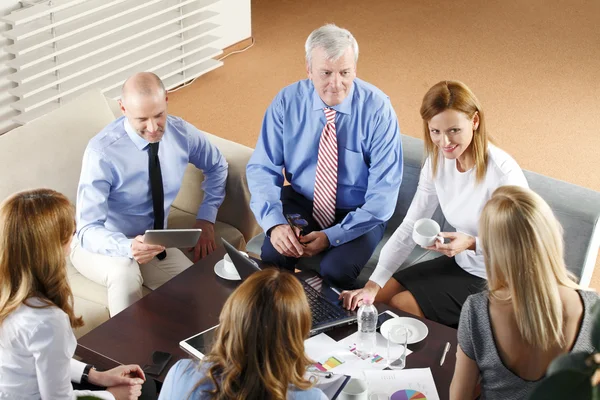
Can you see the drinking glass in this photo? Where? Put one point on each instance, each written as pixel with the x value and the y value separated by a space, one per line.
pixel 397 331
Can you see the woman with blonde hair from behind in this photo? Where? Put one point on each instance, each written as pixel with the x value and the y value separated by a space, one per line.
pixel 36 306
pixel 258 350
pixel 532 311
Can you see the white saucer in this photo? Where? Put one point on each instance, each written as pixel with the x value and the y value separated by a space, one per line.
pixel 417 330
pixel 220 271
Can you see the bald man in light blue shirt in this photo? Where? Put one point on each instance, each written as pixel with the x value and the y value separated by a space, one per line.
pixel 115 196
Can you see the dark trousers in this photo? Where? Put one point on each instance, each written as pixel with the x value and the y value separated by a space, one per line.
pixel 340 265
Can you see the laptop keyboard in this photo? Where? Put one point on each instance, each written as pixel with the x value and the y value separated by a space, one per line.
pixel 322 310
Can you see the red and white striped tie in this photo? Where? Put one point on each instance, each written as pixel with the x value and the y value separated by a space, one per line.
pixel 326 177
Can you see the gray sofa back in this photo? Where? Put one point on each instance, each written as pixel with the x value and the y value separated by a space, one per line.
pixel 577 209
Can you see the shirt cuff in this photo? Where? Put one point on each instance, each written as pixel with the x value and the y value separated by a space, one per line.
pixel 125 247
pixel 273 220
pixel 207 213
pixel 77 368
pixel 336 235
pixel 381 276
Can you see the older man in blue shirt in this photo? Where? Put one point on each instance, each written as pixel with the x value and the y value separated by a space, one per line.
pixel 131 173
pixel 336 140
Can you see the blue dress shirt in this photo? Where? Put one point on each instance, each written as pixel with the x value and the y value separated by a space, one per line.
pixel 114 199
pixel 183 376
pixel 369 157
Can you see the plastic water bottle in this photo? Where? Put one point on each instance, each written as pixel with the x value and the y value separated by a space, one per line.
pixel 367 325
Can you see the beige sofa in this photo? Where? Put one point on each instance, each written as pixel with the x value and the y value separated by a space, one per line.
pixel 48 152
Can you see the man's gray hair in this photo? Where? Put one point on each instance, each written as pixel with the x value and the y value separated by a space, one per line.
pixel 333 39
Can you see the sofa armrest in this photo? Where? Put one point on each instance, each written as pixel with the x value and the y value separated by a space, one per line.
pixel 235 209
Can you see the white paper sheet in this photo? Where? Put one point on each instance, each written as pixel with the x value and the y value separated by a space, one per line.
pixel 406 384
pixel 342 358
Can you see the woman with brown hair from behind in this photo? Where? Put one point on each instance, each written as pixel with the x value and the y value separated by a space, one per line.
pixel 36 306
pixel 258 350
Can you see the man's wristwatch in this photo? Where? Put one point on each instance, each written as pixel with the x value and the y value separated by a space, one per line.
pixel 85 376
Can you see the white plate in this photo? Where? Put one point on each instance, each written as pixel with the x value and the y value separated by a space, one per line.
pixel 220 271
pixel 417 330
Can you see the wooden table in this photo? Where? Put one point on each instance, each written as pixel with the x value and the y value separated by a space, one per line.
pixel 192 302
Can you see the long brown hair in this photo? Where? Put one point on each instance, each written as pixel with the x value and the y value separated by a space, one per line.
pixel 522 243
pixel 454 95
pixel 35 226
pixel 259 345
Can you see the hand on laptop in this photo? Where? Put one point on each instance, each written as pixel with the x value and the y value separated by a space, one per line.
pixel 354 298
pixel 314 243
pixel 206 244
pixel 285 241
pixel 143 253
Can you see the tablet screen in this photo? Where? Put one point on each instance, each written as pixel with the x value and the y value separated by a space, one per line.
pixel 199 344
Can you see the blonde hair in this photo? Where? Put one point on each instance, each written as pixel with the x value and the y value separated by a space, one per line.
pixel 35 226
pixel 454 95
pixel 259 345
pixel 522 243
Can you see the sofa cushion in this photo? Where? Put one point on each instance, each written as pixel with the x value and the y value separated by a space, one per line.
pixel 90 300
pixel 47 152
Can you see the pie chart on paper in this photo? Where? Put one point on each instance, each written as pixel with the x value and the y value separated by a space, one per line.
pixel 408 394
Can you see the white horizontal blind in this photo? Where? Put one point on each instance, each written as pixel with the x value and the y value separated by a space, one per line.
pixel 62 48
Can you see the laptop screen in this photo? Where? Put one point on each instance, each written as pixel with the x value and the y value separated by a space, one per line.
pixel 245 265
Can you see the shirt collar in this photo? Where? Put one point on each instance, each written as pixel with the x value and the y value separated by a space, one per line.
pixel 345 107
pixel 137 140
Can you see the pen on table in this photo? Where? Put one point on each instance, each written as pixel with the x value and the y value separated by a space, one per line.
pixel 444 354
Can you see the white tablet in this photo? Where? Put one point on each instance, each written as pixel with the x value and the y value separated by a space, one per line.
pixel 180 238
pixel 198 345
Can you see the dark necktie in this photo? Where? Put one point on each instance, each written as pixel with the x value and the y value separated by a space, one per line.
pixel 156 186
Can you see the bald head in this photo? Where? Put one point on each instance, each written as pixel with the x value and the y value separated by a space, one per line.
pixel 142 84
pixel 144 103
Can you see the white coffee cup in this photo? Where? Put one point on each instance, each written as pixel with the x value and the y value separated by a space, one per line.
pixel 228 265
pixel 356 389
pixel 426 231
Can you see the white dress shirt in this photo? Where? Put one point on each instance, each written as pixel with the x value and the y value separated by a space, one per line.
pixel 461 200
pixel 36 355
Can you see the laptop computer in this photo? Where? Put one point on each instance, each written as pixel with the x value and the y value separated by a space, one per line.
pixel 326 308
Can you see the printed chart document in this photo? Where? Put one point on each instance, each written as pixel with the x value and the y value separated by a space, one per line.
pixel 405 384
pixel 343 358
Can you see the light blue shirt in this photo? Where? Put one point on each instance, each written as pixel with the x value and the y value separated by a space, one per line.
pixel 185 374
pixel 369 156
pixel 114 198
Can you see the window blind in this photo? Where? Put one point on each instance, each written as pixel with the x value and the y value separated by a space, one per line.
pixel 64 47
